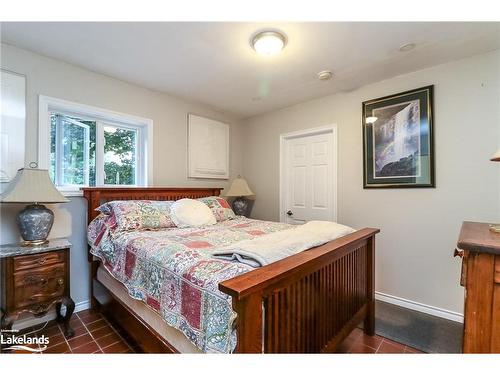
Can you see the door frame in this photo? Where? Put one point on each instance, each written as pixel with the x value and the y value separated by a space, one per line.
pixel 332 128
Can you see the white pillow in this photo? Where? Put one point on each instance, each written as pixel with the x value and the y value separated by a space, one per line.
pixel 191 213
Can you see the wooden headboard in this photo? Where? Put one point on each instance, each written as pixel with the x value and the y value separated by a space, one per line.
pixel 98 195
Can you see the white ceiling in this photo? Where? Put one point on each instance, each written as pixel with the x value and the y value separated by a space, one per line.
pixel 213 63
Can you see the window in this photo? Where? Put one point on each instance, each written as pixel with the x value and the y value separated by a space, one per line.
pixel 72 154
pixel 120 146
pixel 92 147
pixel 73 158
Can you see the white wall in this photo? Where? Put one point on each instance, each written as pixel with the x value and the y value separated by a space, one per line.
pixel 419 227
pixel 57 79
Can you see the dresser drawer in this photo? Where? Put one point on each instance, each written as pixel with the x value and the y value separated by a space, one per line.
pixel 39 285
pixel 31 261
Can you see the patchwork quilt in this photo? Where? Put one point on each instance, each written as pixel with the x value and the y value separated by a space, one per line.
pixel 172 271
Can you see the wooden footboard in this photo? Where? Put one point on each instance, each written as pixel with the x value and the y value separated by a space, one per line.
pixel 307 303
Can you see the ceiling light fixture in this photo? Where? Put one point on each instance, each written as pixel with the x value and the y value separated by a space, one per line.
pixel 268 43
pixel 407 47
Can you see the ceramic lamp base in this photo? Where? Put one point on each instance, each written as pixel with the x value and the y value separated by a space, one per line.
pixel 240 206
pixel 35 223
pixel 34 243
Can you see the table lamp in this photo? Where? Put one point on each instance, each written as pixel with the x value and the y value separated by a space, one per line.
pixel 495 227
pixel 239 188
pixel 33 186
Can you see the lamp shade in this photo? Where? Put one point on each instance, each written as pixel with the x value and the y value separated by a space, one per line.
pixel 239 188
pixel 496 156
pixel 32 186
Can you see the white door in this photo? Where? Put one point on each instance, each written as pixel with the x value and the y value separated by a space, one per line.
pixel 308 178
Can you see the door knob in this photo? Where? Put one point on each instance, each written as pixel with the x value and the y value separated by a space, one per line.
pixel 289 213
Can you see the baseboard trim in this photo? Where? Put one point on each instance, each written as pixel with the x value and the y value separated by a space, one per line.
pixel 421 307
pixel 31 321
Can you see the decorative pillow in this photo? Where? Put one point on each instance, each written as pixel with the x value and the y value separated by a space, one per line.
pixel 220 208
pixel 191 213
pixel 130 215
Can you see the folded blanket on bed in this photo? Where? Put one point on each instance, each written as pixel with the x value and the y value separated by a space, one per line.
pixel 272 247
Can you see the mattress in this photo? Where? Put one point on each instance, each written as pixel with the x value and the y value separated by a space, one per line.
pixel 172 272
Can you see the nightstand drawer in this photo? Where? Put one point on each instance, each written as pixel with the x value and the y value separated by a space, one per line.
pixel 30 261
pixel 39 285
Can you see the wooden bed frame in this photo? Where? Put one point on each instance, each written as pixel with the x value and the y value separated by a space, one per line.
pixel 306 303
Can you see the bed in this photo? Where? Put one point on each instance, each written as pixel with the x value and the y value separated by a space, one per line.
pixel 306 303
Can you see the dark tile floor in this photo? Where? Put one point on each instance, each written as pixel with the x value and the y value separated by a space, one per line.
pixel 359 343
pixel 425 332
pixel 94 334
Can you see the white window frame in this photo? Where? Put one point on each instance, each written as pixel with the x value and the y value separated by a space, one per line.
pixel 144 127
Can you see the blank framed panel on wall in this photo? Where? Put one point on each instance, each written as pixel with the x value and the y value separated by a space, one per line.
pixel 12 124
pixel 208 148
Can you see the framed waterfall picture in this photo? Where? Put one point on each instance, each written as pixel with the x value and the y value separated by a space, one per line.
pixel 398 149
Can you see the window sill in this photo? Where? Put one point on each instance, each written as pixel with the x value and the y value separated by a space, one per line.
pixel 79 193
pixel 71 193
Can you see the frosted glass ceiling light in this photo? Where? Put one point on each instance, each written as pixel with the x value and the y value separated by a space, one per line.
pixel 268 43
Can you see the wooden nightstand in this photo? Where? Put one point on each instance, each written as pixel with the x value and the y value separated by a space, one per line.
pixel 34 279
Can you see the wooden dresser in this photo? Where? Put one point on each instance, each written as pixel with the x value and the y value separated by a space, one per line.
pixel 480 252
